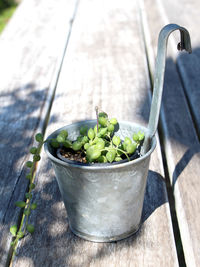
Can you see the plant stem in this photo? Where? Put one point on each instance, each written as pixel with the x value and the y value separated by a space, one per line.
pixel 118 150
pixel 124 153
pixel 97 115
pixel 27 207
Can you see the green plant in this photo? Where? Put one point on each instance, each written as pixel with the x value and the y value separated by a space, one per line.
pixel 100 144
pixel 27 205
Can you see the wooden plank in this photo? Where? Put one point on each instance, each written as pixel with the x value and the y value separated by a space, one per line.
pixel 188 67
pixel 105 65
pixel 181 143
pixel 30 48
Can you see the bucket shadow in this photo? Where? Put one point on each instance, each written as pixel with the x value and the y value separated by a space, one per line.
pixel 180 111
pixel 155 195
pixel 63 245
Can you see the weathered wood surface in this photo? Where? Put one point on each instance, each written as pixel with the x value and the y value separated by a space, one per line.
pixel 29 49
pixel 181 143
pixel 189 67
pixel 105 65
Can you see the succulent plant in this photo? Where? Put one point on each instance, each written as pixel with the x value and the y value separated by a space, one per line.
pixel 100 144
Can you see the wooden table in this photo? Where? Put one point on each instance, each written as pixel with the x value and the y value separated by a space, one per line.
pixel 59 59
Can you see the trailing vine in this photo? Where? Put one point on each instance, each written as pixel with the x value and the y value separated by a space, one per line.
pixel 27 206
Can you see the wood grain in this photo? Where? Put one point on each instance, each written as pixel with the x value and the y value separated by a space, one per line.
pixel 29 49
pixel 181 144
pixel 188 66
pixel 105 65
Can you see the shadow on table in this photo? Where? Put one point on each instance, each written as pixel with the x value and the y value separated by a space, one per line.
pixel 183 162
pixel 20 112
pixel 19 117
pixel 181 111
pixel 155 195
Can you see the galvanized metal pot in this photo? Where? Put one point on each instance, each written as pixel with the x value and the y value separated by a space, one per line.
pixel 104 203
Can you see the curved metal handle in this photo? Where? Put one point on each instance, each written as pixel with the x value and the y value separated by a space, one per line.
pixel 185 44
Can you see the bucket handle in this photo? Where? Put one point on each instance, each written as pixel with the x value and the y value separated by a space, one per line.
pixel 185 44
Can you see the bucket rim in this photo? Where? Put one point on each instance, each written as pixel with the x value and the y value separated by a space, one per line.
pixel 94 167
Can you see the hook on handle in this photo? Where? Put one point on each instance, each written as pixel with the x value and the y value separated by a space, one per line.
pixel 185 44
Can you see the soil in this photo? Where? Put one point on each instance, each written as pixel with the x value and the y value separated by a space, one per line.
pixel 71 155
pixel 81 158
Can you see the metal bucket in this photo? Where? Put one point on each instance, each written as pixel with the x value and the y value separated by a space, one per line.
pixel 104 203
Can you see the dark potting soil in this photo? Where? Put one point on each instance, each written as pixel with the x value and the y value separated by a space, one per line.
pixel 72 155
pixel 80 157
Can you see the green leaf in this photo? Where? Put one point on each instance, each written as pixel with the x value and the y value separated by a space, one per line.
pixel 91 134
pixel 84 140
pixel 102 132
pixel 100 144
pixel 33 150
pixel 111 128
pixel 141 136
pixel 103 121
pixel 103 114
pixel 20 204
pixel 130 148
pixel 30 228
pixel 36 157
pixel 127 140
pixel 110 155
pixel 29 164
pixel 13 230
pixel 116 140
pixel 32 186
pixel 79 138
pixel 54 143
pixel 27 212
pixel 96 153
pixel 86 146
pixel 83 130
pixel 118 158
pixel 135 137
pixel 39 137
pixel 93 153
pixel 113 121
pixel 76 145
pixel 20 234
pixel 102 159
pixel 29 176
pixel 33 206
pixel 28 195
pixel 60 139
pixel 95 140
pixel 89 152
pixel 67 143
pixel 64 133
